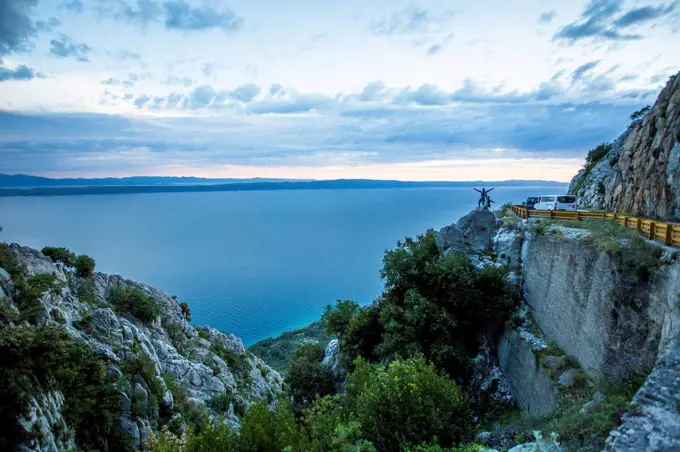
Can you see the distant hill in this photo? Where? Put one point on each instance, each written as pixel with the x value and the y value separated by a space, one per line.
pixel 88 187
pixel 27 181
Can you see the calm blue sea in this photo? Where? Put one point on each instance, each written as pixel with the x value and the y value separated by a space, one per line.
pixel 251 263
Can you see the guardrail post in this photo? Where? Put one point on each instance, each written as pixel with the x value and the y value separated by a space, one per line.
pixel 668 240
pixel 652 230
pixel 578 216
pixel 526 214
pixel 638 226
pixel 551 214
pixel 625 221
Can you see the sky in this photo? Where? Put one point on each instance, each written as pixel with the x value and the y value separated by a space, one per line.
pixel 408 90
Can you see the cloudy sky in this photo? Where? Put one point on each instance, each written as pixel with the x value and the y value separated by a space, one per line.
pixel 384 89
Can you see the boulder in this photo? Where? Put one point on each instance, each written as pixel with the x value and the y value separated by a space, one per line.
pixel 473 232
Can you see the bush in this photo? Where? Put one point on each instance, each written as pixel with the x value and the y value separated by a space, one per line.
pixel 7 312
pixel 186 311
pixel 221 402
pixel 84 266
pixel 29 293
pixel 640 114
pixel 307 378
pixel 44 358
pixel 11 264
pixel 133 301
pixel 363 336
pixel 270 431
pixel 336 318
pixel 195 416
pixel 595 155
pixel 60 254
pixel 407 404
pixel 432 302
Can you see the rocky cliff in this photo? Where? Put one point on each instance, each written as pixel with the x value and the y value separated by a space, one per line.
pixel 164 369
pixel 639 173
pixel 600 306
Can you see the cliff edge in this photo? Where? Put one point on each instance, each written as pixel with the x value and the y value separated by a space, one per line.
pixel 639 173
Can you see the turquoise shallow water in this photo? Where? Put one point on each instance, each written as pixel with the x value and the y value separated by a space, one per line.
pixel 251 263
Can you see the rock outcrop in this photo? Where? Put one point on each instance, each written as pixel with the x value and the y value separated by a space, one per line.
pixel 640 175
pixel 472 233
pixel 205 362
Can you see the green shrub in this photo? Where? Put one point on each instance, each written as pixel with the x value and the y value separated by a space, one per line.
pixel 221 402
pixel 336 318
pixel 238 363
pixel 7 313
pixel 539 227
pixel 363 336
pixel 195 415
pixel 133 301
pixel 432 302
pixel 60 254
pixel 595 155
pixel 86 292
pixel 638 115
pixel 186 311
pixel 264 371
pixel 29 292
pixel 11 264
pixel 407 404
pixel 307 378
pixel 84 266
pixel 43 358
pixel 601 188
pixel 263 430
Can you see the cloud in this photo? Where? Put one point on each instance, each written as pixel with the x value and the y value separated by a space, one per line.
pixel 142 100
pixel 245 93
pixel 175 80
pixel 208 69
pixel 418 26
pixel 21 72
pixel 124 54
pixel 547 17
pixel 74 6
pixel 599 21
pixel 17 30
pixel 116 82
pixel 181 15
pixel 643 14
pixel 409 20
pixel 174 14
pixel 66 47
pixel 582 70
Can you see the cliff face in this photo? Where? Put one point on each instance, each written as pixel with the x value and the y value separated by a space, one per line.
pixel 640 174
pixel 205 363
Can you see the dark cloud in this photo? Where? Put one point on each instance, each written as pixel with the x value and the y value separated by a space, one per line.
pixel 19 73
pixel 124 54
pixel 181 81
pixel 599 21
pixel 66 47
pixel 547 17
pixel 74 6
pixel 644 14
pixel 434 49
pixel 245 93
pixel 582 70
pixel 181 15
pixel 17 30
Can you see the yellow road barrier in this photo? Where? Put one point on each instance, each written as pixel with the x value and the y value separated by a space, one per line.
pixel 668 233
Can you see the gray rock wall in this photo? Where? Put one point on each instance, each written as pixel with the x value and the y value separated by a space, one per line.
pixel 529 382
pixel 593 308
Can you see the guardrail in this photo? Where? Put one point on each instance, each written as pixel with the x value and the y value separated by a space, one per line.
pixel 668 233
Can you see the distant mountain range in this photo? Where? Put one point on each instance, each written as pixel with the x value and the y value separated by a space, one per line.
pixel 22 185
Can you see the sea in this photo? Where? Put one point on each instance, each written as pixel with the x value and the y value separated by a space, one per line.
pixel 252 263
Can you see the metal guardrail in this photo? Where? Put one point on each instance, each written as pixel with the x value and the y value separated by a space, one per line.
pixel 668 233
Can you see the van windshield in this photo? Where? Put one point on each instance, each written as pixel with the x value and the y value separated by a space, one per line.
pixel 547 198
pixel 566 199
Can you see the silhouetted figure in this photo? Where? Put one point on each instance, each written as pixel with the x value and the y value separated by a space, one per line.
pixel 483 195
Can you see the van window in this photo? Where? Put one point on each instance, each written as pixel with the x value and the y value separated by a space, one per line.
pixel 566 199
pixel 547 198
pixel 532 199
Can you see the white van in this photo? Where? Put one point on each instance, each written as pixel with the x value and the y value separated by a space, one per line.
pixel 556 202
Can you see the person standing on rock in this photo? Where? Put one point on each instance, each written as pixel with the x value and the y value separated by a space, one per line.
pixel 483 196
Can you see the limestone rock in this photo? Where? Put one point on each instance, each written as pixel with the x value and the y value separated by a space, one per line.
pixel 641 173
pixel 473 232
pixel 529 382
pixel 44 418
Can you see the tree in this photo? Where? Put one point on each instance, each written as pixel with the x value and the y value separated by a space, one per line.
pixel 186 311
pixel 135 302
pixel 336 318
pixel 640 114
pixel 84 266
pixel 406 404
pixel 595 155
pixel 60 254
pixel 307 377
